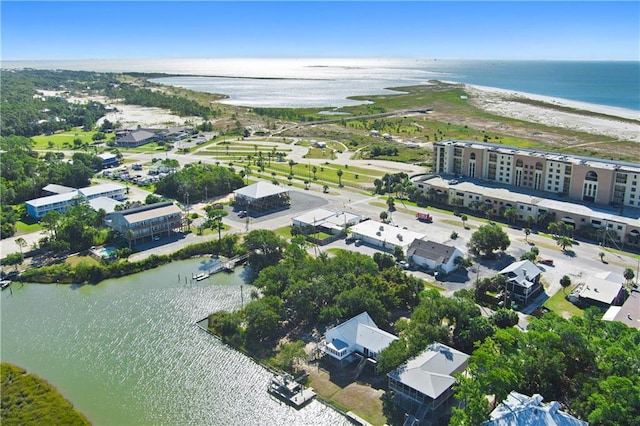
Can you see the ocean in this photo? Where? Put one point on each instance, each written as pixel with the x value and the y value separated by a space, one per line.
pixel 326 82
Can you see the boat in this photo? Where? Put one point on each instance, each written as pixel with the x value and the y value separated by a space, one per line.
pixel 202 276
pixel 290 391
pixel 5 284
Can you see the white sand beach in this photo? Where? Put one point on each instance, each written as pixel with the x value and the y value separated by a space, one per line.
pixel 500 102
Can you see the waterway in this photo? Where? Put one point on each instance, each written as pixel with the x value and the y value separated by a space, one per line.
pixel 127 352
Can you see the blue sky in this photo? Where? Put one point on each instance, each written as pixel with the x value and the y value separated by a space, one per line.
pixel 445 30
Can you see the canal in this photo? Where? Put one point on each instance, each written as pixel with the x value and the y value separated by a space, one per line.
pixel 127 352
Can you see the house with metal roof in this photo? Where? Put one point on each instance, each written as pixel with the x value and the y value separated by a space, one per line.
pixel 261 197
pixel 357 335
pixel 425 382
pixel 53 189
pixel 523 280
pixel 152 221
pixel 434 256
pixel 520 409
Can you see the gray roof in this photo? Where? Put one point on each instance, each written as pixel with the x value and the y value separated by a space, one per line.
pixel 137 136
pixel 151 211
pixel 101 189
pixel 601 288
pixel 522 272
pixel 522 410
pixel 105 203
pixel 58 189
pixel 431 250
pixel 52 199
pixel 431 372
pixel 628 313
pixel 260 190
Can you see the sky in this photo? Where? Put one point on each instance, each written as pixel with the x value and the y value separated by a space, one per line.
pixel 575 30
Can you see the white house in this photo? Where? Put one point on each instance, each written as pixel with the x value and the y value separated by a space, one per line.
pixel 432 255
pixel 359 334
pixel 519 409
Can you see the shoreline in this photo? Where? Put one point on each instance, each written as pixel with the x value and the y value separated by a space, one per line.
pixel 501 102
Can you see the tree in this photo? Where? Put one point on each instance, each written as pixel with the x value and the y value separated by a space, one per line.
pixel 21 243
pixel 527 232
pixel 487 239
pixel 464 218
pixel 339 172
pixel 629 275
pixel 511 214
pixel 601 256
pixel 504 318
pixel 265 248
pixel 391 203
pixel 291 164
pixel 314 170
pixel 13 259
pixel 553 228
pixel 565 282
pixel 565 242
pixel 215 219
pixel 398 253
pixel 384 215
pixel 325 189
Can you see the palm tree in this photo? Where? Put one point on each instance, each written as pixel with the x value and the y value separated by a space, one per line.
pixel 21 243
pixel 527 232
pixel 601 255
pixel 553 228
pixel 565 282
pixel 314 170
pixel 339 173
pixel 464 218
pixel 291 164
pixel 564 242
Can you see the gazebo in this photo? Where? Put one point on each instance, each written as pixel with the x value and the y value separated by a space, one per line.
pixel 262 197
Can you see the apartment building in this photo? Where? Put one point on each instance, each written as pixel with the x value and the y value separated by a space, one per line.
pixel 598 181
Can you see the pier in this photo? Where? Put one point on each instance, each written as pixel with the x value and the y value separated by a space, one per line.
pixel 290 391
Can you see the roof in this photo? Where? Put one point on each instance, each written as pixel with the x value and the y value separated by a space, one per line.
pixel 522 272
pixel 260 190
pixel 522 410
pixel 431 372
pixel 137 136
pixel 101 189
pixel 58 189
pixel 53 199
pixel 107 156
pixel 105 203
pixel 363 331
pixel 327 218
pixel 628 313
pixel 385 233
pixel 151 211
pixel 600 289
pixel 441 253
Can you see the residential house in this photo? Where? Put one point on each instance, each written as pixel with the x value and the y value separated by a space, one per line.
pixel 602 290
pixel 523 280
pixel 519 409
pixel 628 313
pixel 357 335
pixel 433 256
pixel 424 383
pixel 147 222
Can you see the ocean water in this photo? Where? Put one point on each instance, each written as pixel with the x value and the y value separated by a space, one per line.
pixel 328 82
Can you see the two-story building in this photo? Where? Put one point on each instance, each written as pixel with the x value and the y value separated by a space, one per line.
pixel 152 221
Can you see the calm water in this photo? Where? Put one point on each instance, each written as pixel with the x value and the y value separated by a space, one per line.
pixel 127 352
pixel 327 82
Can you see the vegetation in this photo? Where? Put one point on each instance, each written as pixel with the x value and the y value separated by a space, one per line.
pixel 487 239
pixel 585 363
pixel 198 182
pixel 29 400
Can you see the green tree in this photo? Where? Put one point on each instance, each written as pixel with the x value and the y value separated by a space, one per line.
pixel 527 232
pixel 565 282
pixel 464 218
pixel 314 170
pixel 600 255
pixel 291 164
pixel 214 220
pixel 339 172
pixel 265 248
pixel 391 203
pixel 504 318
pixel 13 259
pixel 487 239
pixel 511 214
pixel 629 275
pixel 384 215
pixel 564 242
pixel 21 243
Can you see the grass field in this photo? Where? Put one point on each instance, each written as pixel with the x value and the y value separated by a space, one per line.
pixel 63 140
pixel 29 400
pixel 561 306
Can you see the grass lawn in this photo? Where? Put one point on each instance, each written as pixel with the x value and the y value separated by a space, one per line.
pixel 75 260
pixel 284 232
pixel 62 140
pixel 561 306
pixel 25 228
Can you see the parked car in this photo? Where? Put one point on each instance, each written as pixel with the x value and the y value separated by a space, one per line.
pixel 546 262
pixel 242 213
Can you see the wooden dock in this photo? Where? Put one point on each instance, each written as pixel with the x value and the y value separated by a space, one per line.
pixel 290 391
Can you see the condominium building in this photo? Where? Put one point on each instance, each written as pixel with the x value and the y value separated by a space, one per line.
pixel 592 180
pixel 60 202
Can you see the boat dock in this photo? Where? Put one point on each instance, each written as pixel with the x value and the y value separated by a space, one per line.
pixel 290 391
